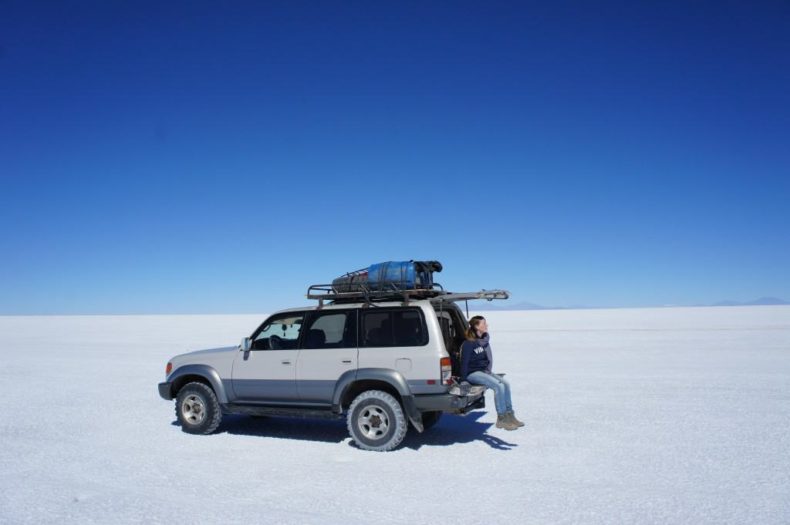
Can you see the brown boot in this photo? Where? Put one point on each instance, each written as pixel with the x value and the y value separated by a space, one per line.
pixel 512 418
pixel 502 421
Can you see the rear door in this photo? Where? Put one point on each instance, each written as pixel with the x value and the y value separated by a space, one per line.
pixel 395 338
pixel 328 350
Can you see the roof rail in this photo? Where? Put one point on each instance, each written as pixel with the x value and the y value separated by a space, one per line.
pixel 327 292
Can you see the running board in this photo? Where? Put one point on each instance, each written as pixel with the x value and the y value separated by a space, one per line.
pixel 261 410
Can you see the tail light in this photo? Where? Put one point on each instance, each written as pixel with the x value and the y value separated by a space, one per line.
pixel 168 369
pixel 447 370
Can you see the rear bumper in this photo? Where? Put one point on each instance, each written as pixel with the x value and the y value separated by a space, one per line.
pixel 164 390
pixel 448 402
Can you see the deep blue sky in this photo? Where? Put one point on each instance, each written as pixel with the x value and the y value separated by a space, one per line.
pixel 219 157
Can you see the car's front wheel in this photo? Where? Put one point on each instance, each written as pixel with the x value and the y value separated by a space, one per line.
pixel 376 421
pixel 197 409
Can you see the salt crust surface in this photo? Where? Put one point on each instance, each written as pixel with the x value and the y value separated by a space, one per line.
pixel 675 415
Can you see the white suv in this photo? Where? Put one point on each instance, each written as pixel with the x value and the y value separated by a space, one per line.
pixel 378 362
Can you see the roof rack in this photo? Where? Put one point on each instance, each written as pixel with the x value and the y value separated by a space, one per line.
pixel 327 292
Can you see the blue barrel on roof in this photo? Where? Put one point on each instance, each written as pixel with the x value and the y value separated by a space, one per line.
pixel 401 274
pixel 390 276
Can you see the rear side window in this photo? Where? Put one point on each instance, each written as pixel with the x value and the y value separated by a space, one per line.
pixel 330 329
pixel 392 327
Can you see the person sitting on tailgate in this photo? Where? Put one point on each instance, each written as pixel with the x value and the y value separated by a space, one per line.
pixel 476 362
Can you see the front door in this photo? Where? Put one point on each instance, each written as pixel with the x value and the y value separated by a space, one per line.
pixel 267 372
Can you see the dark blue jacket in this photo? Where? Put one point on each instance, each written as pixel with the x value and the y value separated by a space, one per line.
pixel 475 355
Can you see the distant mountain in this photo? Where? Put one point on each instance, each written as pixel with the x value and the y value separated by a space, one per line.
pixel 762 301
pixel 767 301
pixel 724 303
pixel 494 305
pixel 504 306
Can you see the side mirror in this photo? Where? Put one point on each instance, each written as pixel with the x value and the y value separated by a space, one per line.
pixel 245 345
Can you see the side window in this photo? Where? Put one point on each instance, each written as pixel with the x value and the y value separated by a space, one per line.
pixel 401 327
pixel 331 329
pixel 409 328
pixel 279 332
pixel 376 329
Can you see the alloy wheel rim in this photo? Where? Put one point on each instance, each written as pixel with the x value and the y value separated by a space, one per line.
pixel 373 422
pixel 193 410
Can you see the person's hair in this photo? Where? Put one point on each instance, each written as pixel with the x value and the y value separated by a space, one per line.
pixel 471 334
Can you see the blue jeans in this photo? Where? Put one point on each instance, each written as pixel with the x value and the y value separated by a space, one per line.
pixel 499 385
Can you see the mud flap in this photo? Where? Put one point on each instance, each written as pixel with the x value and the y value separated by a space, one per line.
pixel 414 415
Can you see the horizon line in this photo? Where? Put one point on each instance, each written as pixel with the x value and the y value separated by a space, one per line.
pixel 540 309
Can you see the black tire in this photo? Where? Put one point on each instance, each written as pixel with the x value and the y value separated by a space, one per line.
pixel 376 421
pixel 429 419
pixel 197 409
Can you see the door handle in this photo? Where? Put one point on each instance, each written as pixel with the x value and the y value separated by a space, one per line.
pixel 286 362
pixel 348 361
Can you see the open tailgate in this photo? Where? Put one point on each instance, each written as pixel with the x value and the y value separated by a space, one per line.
pixel 488 295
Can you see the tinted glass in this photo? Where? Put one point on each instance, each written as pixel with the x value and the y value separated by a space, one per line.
pixel 402 327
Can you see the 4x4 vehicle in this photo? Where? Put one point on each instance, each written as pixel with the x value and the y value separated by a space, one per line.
pixel 383 360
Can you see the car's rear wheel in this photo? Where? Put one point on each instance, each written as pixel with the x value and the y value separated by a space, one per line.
pixel 376 421
pixel 197 409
